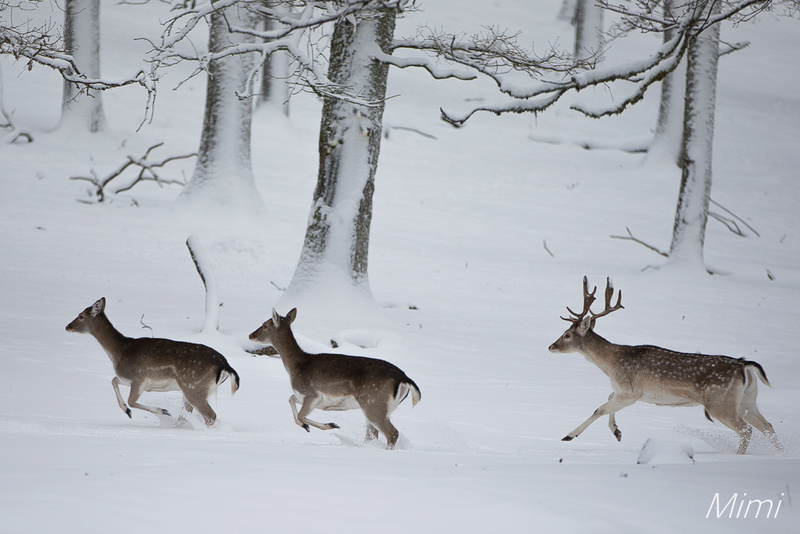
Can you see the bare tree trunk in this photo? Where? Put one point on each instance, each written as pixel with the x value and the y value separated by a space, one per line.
pixel 82 41
pixel 688 236
pixel 274 78
pixel 336 245
pixel 223 177
pixel 588 29
pixel 669 126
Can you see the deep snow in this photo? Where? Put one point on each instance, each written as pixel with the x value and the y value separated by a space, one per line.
pixel 469 301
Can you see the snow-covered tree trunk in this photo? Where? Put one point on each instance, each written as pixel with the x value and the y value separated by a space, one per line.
pixel 588 29
pixel 688 236
pixel 274 78
pixel 336 245
pixel 223 181
pixel 669 126
pixel 81 108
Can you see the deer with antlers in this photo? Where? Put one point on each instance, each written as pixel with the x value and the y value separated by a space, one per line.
pixel 726 387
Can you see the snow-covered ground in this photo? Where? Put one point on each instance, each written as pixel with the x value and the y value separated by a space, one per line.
pixel 469 300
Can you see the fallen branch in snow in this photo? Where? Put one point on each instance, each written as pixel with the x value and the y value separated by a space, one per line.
pixel 544 242
pixel 631 237
pixel 731 223
pixel 388 129
pixel 147 172
pixel 203 266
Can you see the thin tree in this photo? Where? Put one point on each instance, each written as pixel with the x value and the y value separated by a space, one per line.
pixel 82 106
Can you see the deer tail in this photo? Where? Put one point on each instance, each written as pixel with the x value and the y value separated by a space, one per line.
pixel 750 368
pixel 224 373
pixel 406 387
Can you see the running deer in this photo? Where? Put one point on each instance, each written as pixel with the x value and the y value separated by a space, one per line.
pixel 726 387
pixel 336 382
pixel 152 364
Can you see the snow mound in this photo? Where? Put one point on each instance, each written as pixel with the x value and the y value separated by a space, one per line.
pixel 656 452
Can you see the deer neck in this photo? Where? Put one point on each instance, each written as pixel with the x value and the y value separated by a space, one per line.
pixel 109 337
pixel 600 351
pixel 291 354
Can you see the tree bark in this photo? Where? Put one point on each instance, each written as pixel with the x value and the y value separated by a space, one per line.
pixel 80 106
pixel 588 29
pixel 669 125
pixel 336 245
pixel 688 236
pixel 274 78
pixel 223 176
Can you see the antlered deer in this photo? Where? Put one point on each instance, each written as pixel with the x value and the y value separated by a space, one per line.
pixel 338 382
pixel 726 387
pixel 152 364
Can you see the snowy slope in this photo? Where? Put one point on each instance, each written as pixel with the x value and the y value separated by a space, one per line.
pixel 459 233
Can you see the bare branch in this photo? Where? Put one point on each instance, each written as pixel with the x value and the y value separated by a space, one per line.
pixel 147 173
pixel 631 237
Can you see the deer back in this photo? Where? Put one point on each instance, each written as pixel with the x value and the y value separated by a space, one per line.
pixel 158 362
pixel 326 373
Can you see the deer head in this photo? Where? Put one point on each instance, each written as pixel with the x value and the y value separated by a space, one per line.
pixel 582 323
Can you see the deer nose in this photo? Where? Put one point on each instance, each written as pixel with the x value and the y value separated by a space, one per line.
pixel 553 348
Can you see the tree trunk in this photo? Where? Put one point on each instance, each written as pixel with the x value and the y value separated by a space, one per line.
pixel 669 126
pixel 274 78
pixel 588 29
pixel 79 107
pixel 223 180
pixel 688 236
pixel 336 245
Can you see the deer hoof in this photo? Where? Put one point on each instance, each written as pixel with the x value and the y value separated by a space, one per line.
pixel 165 412
pixel 618 435
pixel 331 426
pixel 304 425
pixel 128 413
pixel 567 438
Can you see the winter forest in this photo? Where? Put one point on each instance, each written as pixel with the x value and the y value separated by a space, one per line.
pixel 425 183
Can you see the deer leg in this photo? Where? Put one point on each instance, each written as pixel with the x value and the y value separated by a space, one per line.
pixel 751 414
pixel 614 404
pixel 301 417
pixel 612 423
pixel 122 405
pixel 199 400
pixel 727 414
pixel 377 414
pixel 372 432
pixel 754 417
pixel 137 388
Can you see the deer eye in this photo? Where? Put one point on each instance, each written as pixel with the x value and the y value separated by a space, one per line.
pixel 567 336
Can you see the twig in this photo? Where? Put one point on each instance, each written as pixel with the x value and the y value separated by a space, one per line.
pixel 729 212
pixel 631 237
pixel 544 242
pixel 147 173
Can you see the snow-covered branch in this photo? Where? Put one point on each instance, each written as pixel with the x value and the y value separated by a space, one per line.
pixel 43 45
pixel 531 83
pixel 293 19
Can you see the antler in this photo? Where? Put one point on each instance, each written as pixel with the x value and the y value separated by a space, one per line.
pixel 609 294
pixel 588 300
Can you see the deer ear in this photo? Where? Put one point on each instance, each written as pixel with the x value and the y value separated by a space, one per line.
pixel 586 324
pixel 98 307
pixel 291 315
pixel 276 319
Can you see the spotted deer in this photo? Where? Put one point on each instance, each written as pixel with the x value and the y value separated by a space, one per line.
pixel 726 387
pixel 153 364
pixel 337 382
